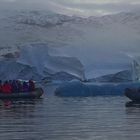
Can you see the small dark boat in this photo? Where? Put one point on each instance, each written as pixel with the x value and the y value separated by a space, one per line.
pixel 37 93
pixel 133 104
pixel 133 94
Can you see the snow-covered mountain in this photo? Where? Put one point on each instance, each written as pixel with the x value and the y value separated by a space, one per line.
pixel 99 44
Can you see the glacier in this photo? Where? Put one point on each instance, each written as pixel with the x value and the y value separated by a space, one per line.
pixel 84 47
pixel 35 62
pixel 10 70
pixel 37 56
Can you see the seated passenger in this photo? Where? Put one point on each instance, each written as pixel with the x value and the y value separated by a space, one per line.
pixel 25 87
pixel 6 88
pixel 31 85
pixel 0 86
pixel 19 86
pixel 14 86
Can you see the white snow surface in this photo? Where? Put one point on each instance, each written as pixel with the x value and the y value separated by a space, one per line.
pixel 94 46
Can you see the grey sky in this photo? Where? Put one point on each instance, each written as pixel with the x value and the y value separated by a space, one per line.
pixel 76 7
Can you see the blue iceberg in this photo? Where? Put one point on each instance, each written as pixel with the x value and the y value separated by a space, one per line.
pixel 77 88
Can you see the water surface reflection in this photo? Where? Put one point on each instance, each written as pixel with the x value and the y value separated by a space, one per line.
pixel 56 118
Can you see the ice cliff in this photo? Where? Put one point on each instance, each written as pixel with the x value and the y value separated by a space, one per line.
pixel 37 56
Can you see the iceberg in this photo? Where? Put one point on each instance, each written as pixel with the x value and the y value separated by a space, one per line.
pixel 136 68
pixel 76 89
pixel 38 57
pixel 10 69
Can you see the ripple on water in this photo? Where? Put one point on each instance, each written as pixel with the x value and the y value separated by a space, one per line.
pixel 56 118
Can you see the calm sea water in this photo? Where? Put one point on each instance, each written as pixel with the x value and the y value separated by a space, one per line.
pixel 56 118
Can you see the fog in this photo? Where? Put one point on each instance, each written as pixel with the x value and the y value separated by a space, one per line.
pixel 74 7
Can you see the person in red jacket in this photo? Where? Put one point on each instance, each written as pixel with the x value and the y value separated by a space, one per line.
pixel 7 88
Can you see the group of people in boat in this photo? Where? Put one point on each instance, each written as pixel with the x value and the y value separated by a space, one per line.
pixel 16 86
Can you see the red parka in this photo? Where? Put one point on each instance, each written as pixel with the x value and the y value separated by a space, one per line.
pixel 7 88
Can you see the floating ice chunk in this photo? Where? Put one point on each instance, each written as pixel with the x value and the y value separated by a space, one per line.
pixel 77 88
